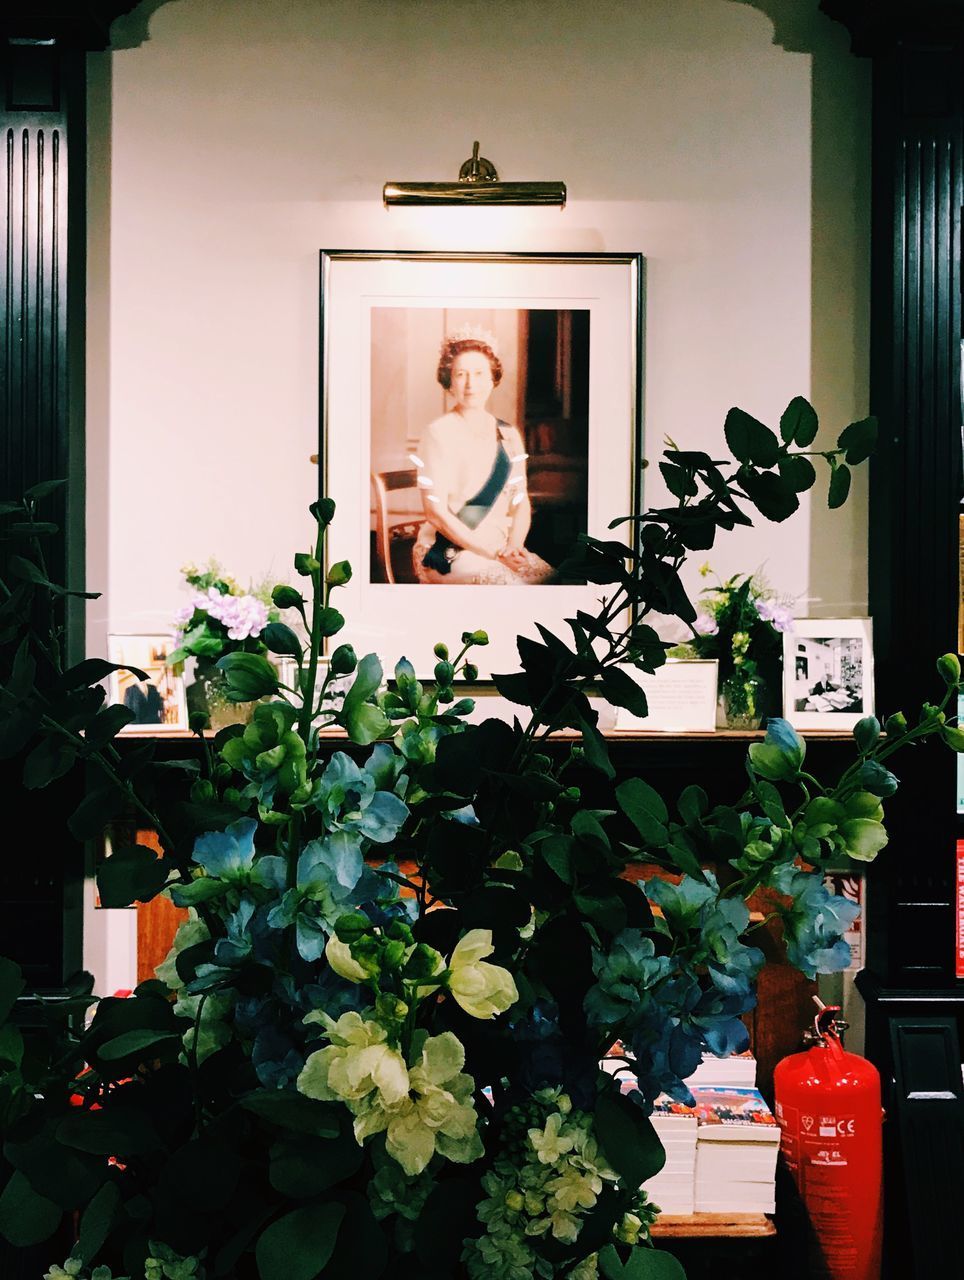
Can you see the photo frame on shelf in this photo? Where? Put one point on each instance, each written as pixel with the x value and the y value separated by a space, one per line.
pixel 159 702
pixel 522 435
pixel 681 697
pixel 828 672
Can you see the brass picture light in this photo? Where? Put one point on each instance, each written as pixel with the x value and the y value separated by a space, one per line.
pixel 478 184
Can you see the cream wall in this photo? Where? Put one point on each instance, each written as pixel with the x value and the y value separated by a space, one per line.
pixel 245 135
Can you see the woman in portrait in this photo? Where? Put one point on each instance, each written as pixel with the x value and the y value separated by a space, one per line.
pixel 472 477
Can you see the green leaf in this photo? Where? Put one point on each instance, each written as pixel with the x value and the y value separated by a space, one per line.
pixel 643 1264
pixel 11 1045
pixel 11 985
pixel 798 473
pixel 95 811
pixel 26 1218
pixel 27 570
pixel 298 1245
pixel 686 859
pixel 34 528
pixel 361 1252
pixel 43 488
pixel 604 908
pixel 556 852
pixel 117 1131
pixel 621 690
pixel 798 422
pixel 133 873
pixel 679 481
pixel 645 808
pixel 281 639
pixel 50 759
pixel 772 494
pixel 106 725
pixel 303 1166
pixel 692 804
pixel 864 838
pixel 594 744
pixel 138 1041
pixel 628 1138
pixel 96 1222
pixel 859 440
pixel 294 1111
pixel 839 487
pixel 366 724
pixel 749 440
pixel 447 1217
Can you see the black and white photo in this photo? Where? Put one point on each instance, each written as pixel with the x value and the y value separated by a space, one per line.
pixel 828 672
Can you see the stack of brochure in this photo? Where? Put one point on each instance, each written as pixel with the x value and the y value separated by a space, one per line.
pixel 674 1187
pixel 737 1144
pixel 738 1071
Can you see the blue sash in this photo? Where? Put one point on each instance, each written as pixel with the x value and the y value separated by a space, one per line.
pixel 442 552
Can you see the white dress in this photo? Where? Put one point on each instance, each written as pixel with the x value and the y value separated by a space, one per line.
pixel 456 461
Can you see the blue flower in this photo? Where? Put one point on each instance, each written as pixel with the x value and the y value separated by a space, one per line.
pixel 328 871
pixel 227 854
pixel 350 799
pixel 815 922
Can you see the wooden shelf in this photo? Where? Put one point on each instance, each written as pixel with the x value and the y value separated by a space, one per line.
pixel 707 1226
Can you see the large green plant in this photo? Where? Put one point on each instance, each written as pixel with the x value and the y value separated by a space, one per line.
pixel 375 1044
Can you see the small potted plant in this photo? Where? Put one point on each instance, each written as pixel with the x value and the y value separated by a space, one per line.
pixel 741 624
pixel 219 619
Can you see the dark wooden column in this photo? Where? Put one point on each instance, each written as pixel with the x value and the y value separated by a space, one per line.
pixel 915 481
pixel 42 317
pixel 917 47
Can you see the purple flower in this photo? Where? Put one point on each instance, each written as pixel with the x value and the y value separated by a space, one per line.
pixel 778 615
pixel 242 616
pixel 705 626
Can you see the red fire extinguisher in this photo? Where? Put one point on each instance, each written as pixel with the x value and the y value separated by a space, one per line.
pixel 828 1106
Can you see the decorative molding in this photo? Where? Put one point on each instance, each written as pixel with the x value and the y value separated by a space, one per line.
pixel 878 25
pixel 82 24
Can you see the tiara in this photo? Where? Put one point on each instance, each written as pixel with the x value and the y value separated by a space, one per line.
pixel 472 333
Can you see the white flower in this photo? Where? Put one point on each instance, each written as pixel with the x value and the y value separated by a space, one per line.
pixel 550 1143
pixel 338 954
pixel 483 990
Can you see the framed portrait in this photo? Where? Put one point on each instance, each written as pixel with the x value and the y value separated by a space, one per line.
pixel 158 702
pixel 478 413
pixel 828 672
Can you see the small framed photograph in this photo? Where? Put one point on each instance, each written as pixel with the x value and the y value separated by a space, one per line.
pixel 478 413
pixel 158 702
pixel 828 673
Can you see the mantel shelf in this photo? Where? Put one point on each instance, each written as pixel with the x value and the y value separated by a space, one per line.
pixel 712 1225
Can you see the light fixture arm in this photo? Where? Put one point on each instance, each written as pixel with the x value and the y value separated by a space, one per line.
pixel 477 168
pixel 478 183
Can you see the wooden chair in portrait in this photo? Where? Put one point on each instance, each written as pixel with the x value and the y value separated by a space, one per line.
pixel 397 520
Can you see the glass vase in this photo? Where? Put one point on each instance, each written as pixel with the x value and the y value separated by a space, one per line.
pixel 211 697
pixel 743 703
